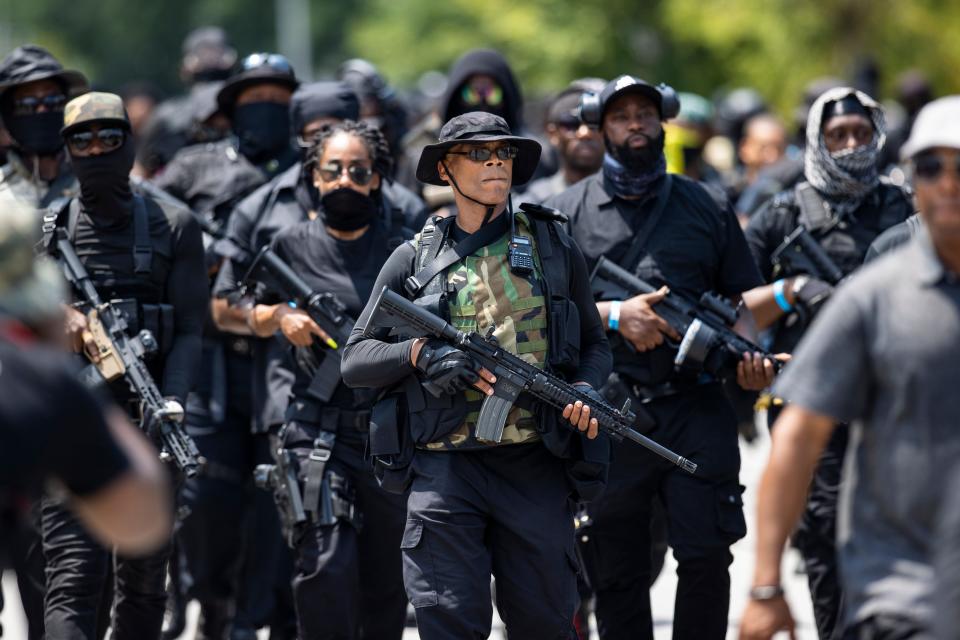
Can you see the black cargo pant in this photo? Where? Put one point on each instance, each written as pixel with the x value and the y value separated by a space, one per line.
pixel 347 574
pixel 704 517
pixel 229 549
pixel 816 537
pixel 504 511
pixel 76 570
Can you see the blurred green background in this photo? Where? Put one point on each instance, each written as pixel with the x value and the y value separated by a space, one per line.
pixel 776 46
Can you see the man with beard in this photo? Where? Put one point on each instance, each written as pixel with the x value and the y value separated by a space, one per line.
pixel 213 179
pixel 34 87
pixel 671 232
pixel 579 146
pixel 845 206
pixel 147 257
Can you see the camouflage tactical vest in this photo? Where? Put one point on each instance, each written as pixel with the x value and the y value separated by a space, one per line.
pixel 483 292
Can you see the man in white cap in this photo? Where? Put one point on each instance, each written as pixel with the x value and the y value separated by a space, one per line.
pixel 884 355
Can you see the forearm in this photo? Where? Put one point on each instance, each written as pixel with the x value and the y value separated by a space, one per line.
pixel 230 318
pixel 371 363
pixel 762 303
pixel 799 438
pixel 180 366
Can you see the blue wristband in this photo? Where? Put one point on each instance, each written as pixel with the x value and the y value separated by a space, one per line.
pixel 779 296
pixel 613 318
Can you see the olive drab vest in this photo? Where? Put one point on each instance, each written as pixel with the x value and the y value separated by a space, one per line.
pixel 483 292
pixel 534 319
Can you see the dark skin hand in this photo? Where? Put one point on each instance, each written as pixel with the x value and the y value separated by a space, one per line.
pixel 578 414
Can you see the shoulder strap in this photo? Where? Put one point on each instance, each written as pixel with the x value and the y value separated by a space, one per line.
pixel 632 257
pixel 142 247
pixel 487 234
pixel 814 211
pixel 52 218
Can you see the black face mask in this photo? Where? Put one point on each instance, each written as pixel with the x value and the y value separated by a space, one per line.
pixel 263 129
pixel 347 210
pixel 637 160
pixel 37 133
pixel 105 183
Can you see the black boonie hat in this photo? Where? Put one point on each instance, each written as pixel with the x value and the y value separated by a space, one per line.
pixel 478 127
pixel 30 62
pixel 257 68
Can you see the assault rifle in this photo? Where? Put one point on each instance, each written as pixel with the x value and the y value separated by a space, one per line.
pixel 325 309
pixel 514 376
pixel 121 355
pixel 800 253
pixel 708 343
pixel 281 478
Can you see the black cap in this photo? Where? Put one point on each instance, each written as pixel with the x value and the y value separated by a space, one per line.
pixel 207 54
pixel 323 100
pixel 29 63
pixel 257 68
pixel 625 84
pixel 478 127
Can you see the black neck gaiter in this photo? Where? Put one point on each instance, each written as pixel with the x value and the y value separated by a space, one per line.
pixel 105 184
pixel 37 133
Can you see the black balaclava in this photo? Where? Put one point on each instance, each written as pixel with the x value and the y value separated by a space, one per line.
pixel 345 209
pixel 36 133
pixel 262 129
pixel 105 184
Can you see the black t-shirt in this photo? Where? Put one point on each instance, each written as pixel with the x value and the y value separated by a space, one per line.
pixel 177 277
pixel 695 246
pixel 345 268
pixel 50 425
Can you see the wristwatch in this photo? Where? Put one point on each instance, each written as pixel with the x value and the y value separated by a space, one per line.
pixel 766 592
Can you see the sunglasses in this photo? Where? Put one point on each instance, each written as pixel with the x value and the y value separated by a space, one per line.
pixel 30 104
pixel 930 166
pixel 482 154
pixel 568 124
pixel 110 139
pixel 359 174
pixel 490 96
pixel 273 60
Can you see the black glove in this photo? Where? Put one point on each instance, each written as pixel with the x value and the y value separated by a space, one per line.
pixel 810 294
pixel 446 369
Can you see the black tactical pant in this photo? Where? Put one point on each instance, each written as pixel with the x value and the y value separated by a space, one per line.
pixel 230 554
pixel 503 511
pixel 22 551
pixel 704 517
pixel 816 538
pixel 77 570
pixel 347 573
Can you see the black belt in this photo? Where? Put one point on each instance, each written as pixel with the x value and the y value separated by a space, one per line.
pixel 649 392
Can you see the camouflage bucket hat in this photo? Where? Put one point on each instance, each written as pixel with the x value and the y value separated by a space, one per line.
pixel 95 106
pixel 478 127
pixel 31 288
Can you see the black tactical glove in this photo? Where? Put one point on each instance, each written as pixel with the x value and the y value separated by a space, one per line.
pixel 446 369
pixel 810 294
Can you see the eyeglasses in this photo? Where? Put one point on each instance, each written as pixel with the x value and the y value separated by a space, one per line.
pixel 110 139
pixel 491 96
pixel 358 173
pixel 929 166
pixel 31 104
pixel 273 60
pixel 482 154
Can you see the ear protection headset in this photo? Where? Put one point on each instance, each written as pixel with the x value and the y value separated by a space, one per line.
pixel 592 104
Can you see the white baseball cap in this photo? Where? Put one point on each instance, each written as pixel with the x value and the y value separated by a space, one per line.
pixel 937 125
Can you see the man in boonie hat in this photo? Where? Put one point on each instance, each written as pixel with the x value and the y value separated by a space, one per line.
pixel 475 506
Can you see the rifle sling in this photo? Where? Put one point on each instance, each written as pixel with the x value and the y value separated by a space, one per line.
pixel 487 234
pixel 631 260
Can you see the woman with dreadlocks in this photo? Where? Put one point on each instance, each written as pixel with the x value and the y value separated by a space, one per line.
pixel 843 204
pixel 347 553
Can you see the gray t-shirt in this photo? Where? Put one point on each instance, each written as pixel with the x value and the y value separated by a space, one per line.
pixel 885 355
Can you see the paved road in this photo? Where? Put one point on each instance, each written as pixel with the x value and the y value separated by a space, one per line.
pixel 754 457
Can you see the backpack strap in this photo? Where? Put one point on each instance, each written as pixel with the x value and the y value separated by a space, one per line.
pixel 631 260
pixel 815 214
